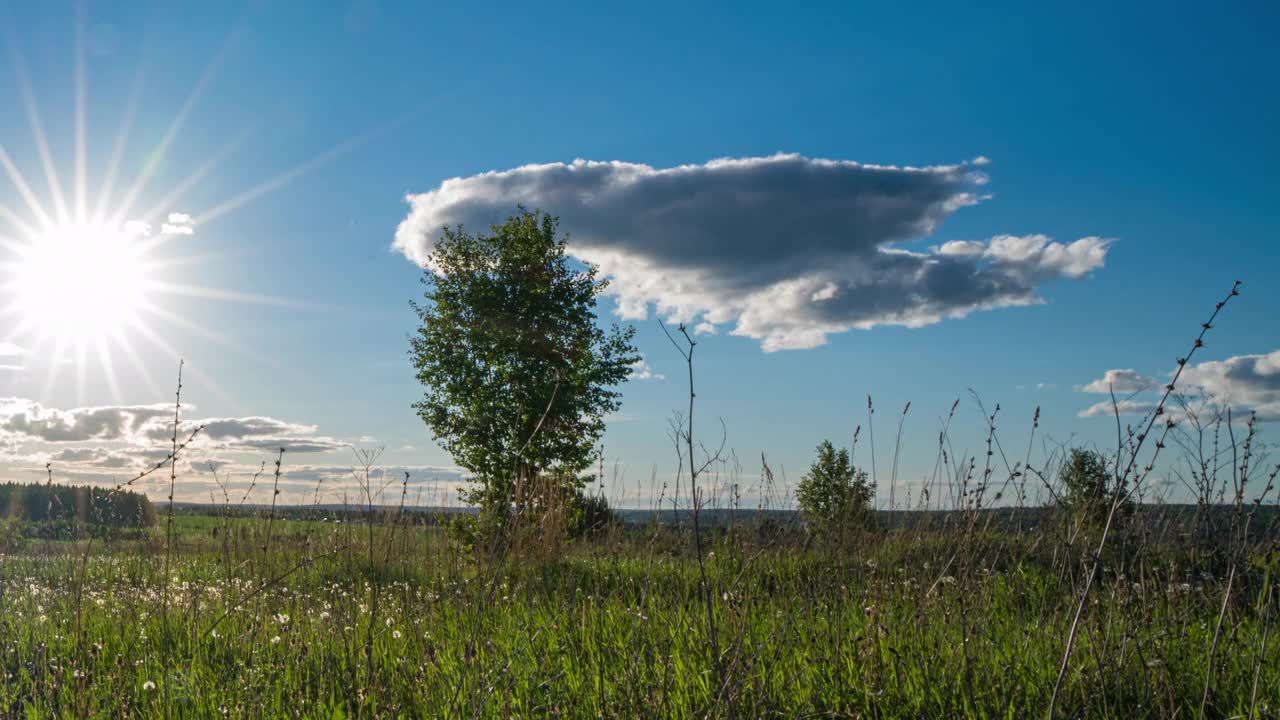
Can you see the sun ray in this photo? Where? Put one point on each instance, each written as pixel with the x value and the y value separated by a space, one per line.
pixel 139 367
pixel 13 245
pixel 82 101
pixel 23 228
pixel 117 149
pixel 154 338
pixel 171 200
pixel 56 362
pixel 204 332
pixel 82 373
pixel 218 391
pixel 18 330
pixel 24 189
pixel 193 370
pixel 37 128
pixel 303 168
pixel 108 369
pixel 233 296
pixel 153 162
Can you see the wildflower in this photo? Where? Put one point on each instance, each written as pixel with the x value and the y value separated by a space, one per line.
pixel 149 686
pixel 395 634
pixel 282 619
pixel 324 615
pixel 275 640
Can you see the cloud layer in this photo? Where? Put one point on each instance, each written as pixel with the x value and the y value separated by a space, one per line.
pixel 1124 381
pixel 1245 381
pixel 149 426
pixel 788 249
pixel 109 444
pixel 1249 383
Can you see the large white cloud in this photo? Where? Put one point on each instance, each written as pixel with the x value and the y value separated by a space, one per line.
pixel 1250 382
pixel 787 248
pixel 1246 383
pixel 22 417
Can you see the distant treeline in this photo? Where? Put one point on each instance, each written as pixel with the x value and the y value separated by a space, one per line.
pixel 65 504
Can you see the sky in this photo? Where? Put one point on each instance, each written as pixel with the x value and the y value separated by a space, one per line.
pixel 1013 205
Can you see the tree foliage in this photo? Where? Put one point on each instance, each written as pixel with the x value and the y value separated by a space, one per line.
pixel 1087 485
pixel 833 491
pixel 518 375
pixel 66 503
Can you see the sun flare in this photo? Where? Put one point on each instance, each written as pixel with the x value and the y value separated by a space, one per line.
pixel 80 282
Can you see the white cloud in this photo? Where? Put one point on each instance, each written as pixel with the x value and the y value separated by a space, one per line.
pixel 1124 381
pixel 27 418
pixel 178 224
pixel 1244 382
pixel 788 249
pixel 640 370
pixel 1123 407
pixel 151 426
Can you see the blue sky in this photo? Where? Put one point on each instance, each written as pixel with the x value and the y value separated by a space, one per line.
pixel 1152 126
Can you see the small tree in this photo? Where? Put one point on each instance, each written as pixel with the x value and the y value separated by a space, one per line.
pixel 1087 485
pixel 518 375
pixel 833 491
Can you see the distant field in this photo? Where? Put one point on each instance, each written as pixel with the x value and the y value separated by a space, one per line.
pixel 957 617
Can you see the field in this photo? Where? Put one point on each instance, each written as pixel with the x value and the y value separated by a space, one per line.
pixel 955 615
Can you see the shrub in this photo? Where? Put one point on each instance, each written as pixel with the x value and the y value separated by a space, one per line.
pixel 834 492
pixel 1088 487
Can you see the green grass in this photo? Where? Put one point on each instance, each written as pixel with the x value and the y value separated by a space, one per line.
pixel 901 624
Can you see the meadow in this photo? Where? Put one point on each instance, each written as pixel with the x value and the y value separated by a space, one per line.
pixel 381 613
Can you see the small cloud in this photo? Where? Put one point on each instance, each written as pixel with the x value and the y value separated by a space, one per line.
pixel 1123 381
pixel 178 224
pixel 640 370
pixel 1123 407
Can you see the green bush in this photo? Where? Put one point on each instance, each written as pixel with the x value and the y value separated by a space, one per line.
pixel 1089 488
pixel 834 493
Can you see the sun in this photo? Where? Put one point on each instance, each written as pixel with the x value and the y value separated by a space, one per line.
pixel 84 280
pixel 80 282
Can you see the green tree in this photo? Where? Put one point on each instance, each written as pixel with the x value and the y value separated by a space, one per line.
pixel 833 491
pixel 1087 485
pixel 518 375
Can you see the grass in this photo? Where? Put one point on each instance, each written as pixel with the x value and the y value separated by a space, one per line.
pixel 926 622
